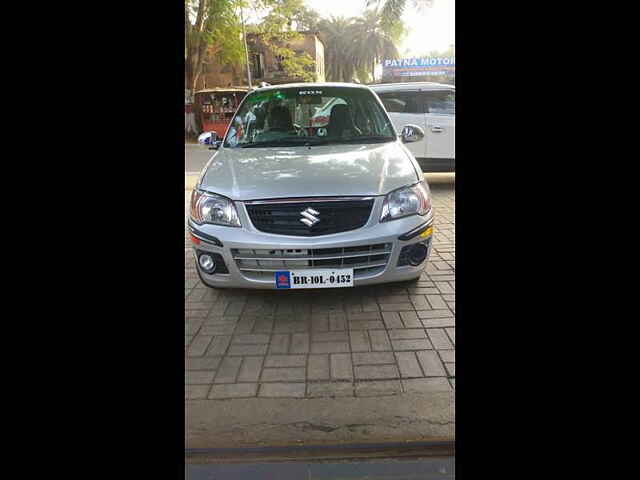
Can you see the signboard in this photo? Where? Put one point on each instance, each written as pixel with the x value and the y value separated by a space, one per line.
pixel 418 67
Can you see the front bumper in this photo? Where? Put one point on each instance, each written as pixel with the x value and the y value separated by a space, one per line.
pixel 232 239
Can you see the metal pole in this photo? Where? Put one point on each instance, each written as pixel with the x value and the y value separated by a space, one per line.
pixel 246 50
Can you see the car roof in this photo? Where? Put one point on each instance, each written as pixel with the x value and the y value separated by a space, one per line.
pixel 388 87
pixel 223 90
pixel 311 85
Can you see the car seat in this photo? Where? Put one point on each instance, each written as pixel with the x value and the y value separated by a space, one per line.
pixel 280 119
pixel 341 122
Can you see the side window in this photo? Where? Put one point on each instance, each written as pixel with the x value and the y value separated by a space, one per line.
pixel 442 102
pixel 401 102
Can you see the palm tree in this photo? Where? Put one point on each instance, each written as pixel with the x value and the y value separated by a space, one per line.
pixel 372 41
pixel 392 10
pixel 335 33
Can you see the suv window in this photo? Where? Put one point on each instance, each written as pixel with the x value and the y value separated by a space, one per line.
pixel 442 102
pixel 401 102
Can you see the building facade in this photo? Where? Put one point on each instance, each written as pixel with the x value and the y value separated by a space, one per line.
pixel 267 67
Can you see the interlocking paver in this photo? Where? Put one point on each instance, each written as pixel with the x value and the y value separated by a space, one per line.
pixel 337 321
pixel 379 340
pixel 320 323
pixel 241 349
pixel 279 343
pixel 199 345
pixel 228 370
pixel 283 374
pixel 219 345
pixel 447 356
pixel 407 333
pixel 198 377
pixel 376 372
pixel 408 365
pixel 202 363
pixel 263 325
pixel 285 361
pixel 222 329
pixel 429 314
pixel 329 347
pixel 365 316
pixel 431 364
pixel 452 334
pixel 251 338
pixel 412 344
pixel 410 319
pixel 373 358
pixel 365 324
pixel 439 339
pixel 330 389
pixel 451 369
pixel 366 341
pixel 233 390
pixel 439 322
pixel 282 390
pixel 359 341
pixel 318 367
pixel 330 337
pixel 436 301
pixel 195 392
pixel 341 368
pixel 426 385
pixel 392 320
pixel 299 343
pixel 420 302
pixel 395 307
pixel 250 369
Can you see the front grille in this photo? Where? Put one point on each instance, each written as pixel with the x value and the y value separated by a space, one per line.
pixel 261 264
pixel 335 217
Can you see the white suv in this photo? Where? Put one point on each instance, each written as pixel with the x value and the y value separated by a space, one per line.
pixel 431 106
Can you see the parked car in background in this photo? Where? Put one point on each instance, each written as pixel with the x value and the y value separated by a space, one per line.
pixel 292 202
pixel 431 106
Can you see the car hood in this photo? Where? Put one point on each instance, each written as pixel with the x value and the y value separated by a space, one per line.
pixel 329 170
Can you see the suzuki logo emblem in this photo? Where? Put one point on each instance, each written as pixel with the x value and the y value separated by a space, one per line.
pixel 310 217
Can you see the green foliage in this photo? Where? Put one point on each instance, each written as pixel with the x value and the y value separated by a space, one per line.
pixel 392 10
pixel 211 23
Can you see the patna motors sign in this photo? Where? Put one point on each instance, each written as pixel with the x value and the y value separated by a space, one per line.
pixel 417 67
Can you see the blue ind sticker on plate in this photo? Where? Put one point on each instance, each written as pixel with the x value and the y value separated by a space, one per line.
pixel 283 280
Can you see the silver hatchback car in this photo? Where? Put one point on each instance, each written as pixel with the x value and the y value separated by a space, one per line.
pixel 311 188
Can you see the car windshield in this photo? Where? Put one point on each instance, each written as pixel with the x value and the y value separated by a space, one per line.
pixel 309 116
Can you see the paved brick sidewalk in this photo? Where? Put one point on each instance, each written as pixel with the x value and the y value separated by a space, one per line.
pixel 366 341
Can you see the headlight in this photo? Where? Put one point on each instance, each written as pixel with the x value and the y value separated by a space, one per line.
pixel 215 209
pixel 413 200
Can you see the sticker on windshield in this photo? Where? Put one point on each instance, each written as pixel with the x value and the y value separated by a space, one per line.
pixel 310 92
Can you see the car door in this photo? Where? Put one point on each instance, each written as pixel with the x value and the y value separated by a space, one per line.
pixel 405 107
pixel 440 116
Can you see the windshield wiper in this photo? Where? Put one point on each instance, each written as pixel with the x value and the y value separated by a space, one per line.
pixel 286 142
pixel 364 139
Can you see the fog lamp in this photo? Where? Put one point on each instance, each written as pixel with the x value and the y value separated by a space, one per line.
pixel 417 254
pixel 207 263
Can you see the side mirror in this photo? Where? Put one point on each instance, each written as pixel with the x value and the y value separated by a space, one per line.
pixel 411 133
pixel 211 139
pixel 207 138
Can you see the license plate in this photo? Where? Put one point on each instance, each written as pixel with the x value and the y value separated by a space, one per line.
pixel 315 278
